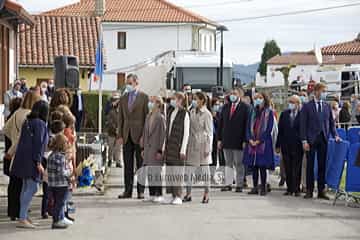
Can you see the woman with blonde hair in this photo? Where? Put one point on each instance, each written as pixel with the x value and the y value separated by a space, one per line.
pixel 12 130
pixel 153 142
pixel 177 137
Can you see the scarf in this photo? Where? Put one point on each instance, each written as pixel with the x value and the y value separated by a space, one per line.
pixel 258 125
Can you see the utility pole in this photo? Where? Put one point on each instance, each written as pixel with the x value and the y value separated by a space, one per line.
pixel 221 28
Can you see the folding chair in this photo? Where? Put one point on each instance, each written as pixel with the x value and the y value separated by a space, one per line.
pixel 352 174
pixel 353 135
pixel 342 133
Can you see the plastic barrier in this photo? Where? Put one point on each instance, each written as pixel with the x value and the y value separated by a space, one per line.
pixel 353 135
pixel 352 171
pixel 336 156
pixel 342 133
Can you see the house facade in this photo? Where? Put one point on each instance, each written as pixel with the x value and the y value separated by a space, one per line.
pixel 136 31
pixel 52 36
pixel 335 58
pixel 11 15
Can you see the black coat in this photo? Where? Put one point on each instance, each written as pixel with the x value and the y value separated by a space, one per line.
pixel 289 134
pixel 232 130
pixel 75 105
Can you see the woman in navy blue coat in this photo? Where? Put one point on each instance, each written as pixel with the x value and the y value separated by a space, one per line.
pixel 29 153
pixel 259 153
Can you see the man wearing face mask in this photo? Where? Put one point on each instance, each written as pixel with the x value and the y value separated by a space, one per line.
pixel 316 125
pixel 51 89
pixel 77 108
pixel 231 137
pixel 133 110
pixel 290 145
pixel 11 94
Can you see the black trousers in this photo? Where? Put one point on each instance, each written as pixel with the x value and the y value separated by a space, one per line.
pixel 45 199
pixel 60 195
pixel 14 190
pixel 255 176
pixel 293 162
pixel 319 147
pixel 132 151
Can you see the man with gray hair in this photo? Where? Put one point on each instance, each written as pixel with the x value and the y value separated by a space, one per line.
pixel 133 108
pixel 14 92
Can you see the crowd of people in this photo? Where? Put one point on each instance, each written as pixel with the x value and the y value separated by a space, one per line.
pixel 242 133
pixel 188 133
pixel 40 147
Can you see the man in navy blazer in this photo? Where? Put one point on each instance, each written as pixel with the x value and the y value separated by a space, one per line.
pixel 290 145
pixel 316 125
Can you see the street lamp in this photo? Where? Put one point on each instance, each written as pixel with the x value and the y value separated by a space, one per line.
pixel 221 28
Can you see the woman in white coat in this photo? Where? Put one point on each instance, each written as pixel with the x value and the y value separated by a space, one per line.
pixel 199 147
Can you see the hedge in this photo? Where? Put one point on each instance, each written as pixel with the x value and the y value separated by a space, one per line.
pixel 91 107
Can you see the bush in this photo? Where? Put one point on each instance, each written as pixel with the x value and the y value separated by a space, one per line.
pixel 91 107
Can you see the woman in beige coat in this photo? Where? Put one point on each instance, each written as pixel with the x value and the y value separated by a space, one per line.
pixel 153 141
pixel 12 131
pixel 200 146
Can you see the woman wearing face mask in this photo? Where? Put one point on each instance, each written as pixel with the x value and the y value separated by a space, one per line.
pixel 200 146
pixel 153 142
pixel 260 152
pixel 177 137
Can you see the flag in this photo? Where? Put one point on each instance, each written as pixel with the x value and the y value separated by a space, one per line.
pixel 99 61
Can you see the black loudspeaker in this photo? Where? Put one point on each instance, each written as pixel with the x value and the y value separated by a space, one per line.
pixel 66 72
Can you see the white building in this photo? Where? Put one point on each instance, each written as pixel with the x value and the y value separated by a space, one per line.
pixel 137 31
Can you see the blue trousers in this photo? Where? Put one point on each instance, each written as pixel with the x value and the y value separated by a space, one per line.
pixel 28 190
pixel 60 195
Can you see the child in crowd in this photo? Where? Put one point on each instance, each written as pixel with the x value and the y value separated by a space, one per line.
pixel 59 175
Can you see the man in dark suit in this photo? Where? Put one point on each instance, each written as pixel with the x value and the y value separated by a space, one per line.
pixel 77 108
pixel 231 137
pixel 290 145
pixel 316 125
pixel 132 114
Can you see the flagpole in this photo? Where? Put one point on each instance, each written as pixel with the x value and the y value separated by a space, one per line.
pixel 101 80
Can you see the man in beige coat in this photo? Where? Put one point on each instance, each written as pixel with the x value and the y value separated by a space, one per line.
pixel 133 110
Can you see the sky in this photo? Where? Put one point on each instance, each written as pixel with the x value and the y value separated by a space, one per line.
pixel 244 41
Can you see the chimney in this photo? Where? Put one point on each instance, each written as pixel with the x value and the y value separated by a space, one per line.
pixel 99 8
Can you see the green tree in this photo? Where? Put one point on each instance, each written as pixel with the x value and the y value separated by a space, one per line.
pixel 270 50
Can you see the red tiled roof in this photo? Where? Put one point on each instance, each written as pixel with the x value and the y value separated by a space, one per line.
pixel 55 35
pixel 345 48
pixel 308 58
pixel 133 11
pixel 21 14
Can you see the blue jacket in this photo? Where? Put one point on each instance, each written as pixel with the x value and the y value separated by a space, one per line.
pixel 289 134
pixel 310 125
pixel 30 150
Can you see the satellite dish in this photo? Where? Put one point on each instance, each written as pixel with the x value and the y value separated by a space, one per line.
pixel 318 54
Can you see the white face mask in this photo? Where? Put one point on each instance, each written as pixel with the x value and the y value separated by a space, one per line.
pixel 43 89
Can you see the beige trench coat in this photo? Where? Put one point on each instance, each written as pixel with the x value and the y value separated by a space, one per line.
pixel 201 138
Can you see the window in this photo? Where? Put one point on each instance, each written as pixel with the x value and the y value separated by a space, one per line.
pixel 120 80
pixel 121 40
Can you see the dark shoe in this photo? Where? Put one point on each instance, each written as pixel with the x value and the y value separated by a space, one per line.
pixel 140 196
pixel 323 195
pixel 109 164
pixel 268 187
pixel 118 165
pixel 187 199
pixel 282 182
pixel 12 219
pixel 287 194
pixel 263 192
pixel 45 216
pixel 205 200
pixel 226 189
pixel 239 190
pixel 297 194
pixel 308 195
pixel 125 195
pixel 254 191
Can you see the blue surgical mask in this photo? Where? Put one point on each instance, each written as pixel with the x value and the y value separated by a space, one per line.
pixel 303 99
pixel 323 96
pixel 129 88
pixel 194 104
pixel 173 103
pixel 233 98
pixel 216 108
pixel 151 106
pixel 291 106
pixel 258 102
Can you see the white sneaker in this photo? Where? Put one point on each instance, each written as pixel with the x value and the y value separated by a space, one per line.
pixel 67 221
pixel 167 200
pixel 177 201
pixel 158 199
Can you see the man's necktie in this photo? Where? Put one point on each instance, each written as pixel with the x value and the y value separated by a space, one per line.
pixel 232 110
